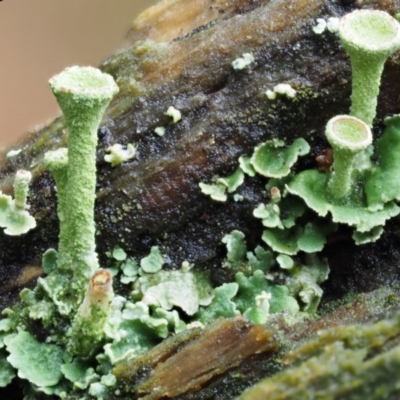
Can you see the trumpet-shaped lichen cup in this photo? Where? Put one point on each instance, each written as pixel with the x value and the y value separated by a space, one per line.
pixel 369 38
pixel 348 136
pixel 83 94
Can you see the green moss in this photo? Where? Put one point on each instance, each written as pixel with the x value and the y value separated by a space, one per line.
pixel 356 361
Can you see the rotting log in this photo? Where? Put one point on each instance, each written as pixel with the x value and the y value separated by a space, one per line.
pixel 181 55
pixel 225 114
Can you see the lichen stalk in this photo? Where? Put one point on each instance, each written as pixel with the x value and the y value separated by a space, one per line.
pixel 365 89
pixel 83 95
pixel 87 327
pixel 340 182
pixel 21 188
pixel 57 163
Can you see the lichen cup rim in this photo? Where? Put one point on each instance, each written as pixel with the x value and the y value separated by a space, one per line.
pixel 84 81
pixel 361 38
pixel 336 139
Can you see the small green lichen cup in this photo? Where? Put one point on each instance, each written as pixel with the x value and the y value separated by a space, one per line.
pixel 348 136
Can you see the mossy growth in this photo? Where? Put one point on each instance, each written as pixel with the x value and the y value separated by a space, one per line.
pixel 357 361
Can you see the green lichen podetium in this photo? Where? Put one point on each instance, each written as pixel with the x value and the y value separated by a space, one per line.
pixel 88 325
pixel 83 94
pixel 14 216
pixel 57 163
pixel 348 136
pixel 369 38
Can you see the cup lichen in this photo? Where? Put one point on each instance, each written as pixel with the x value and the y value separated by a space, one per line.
pixel 348 136
pixel 369 37
pixel 83 95
pixel 14 216
pixel 87 328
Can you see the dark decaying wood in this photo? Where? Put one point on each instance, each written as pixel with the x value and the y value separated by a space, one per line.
pixel 179 53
